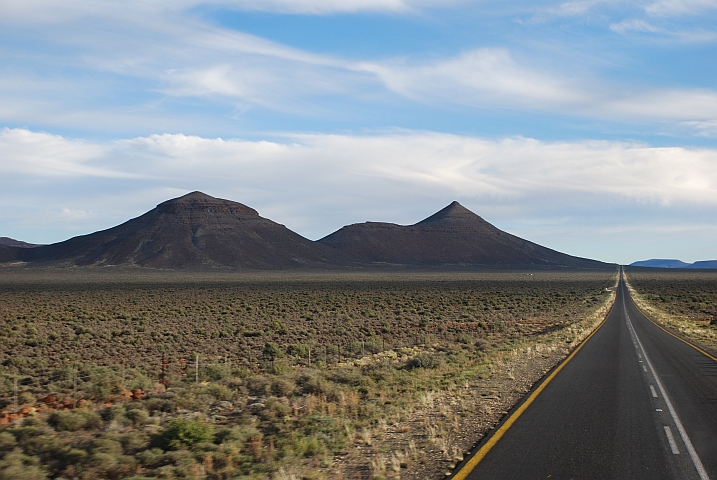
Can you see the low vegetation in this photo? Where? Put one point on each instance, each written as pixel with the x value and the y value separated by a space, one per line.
pixel 685 301
pixel 249 377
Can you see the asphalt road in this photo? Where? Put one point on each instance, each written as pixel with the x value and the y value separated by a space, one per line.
pixel 634 402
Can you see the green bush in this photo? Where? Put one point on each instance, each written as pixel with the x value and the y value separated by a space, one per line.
pixel 424 360
pixel 218 371
pixel 18 466
pixel 137 416
pixel 282 387
pixel 185 433
pixel 73 421
pixel 7 441
pixel 313 383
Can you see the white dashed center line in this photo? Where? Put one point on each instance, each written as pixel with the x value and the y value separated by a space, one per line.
pixel 680 428
pixel 671 441
pixel 654 393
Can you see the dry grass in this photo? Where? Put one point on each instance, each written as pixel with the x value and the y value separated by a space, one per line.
pixel 684 301
pixel 312 376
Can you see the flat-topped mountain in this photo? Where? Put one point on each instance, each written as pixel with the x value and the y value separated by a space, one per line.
pixel 200 231
pixel 452 236
pixel 192 231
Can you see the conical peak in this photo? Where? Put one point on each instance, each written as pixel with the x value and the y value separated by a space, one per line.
pixel 455 213
pixel 198 201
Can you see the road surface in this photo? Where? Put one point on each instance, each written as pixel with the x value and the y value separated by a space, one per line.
pixel 633 402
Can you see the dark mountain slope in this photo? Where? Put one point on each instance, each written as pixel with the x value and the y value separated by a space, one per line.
pixel 11 242
pixel 192 231
pixel 452 236
pixel 8 254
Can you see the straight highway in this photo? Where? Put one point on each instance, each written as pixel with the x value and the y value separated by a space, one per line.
pixel 633 402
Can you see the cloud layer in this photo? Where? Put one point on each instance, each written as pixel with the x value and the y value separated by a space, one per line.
pixel 316 183
pixel 589 125
pixel 125 68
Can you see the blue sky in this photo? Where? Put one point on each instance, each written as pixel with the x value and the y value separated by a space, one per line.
pixel 587 126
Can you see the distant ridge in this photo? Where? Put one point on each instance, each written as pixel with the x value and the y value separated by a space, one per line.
pixel 197 231
pixel 452 236
pixel 11 242
pixel 660 263
pixel 664 263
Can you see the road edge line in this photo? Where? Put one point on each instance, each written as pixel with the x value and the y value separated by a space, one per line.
pixel 696 461
pixel 703 352
pixel 480 454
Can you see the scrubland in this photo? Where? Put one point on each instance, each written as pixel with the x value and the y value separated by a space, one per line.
pixel 684 301
pixel 282 376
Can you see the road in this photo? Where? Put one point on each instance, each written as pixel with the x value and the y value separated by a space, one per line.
pixel 633 402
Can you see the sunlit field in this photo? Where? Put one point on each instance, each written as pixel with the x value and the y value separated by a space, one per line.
pixel 685 301
pixel 225 376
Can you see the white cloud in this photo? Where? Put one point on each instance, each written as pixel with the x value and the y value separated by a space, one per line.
pixel 134 52
pixel 510 169
pixel 57 11
pixel 697 104
pixel 323 7
pixel 487 76
pixel 705 129
pixel 316 183
pixel 45 155
pixel 72 214
pixel 680 7
pixel 576 8
pixel 634 25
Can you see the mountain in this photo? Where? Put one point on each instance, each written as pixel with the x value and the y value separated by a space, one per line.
pixel 454 236
pixel 198 231
pixel 704 264
pixel 661 263
pixel 11 242
pixel 193 231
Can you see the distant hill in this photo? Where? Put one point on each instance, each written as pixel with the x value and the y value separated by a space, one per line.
pixel 704 264
pixel 11 242
pixel 198 231
pixel 662 263
pixel 193 231
pixel 452 236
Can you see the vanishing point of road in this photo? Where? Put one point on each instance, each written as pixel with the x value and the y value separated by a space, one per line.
pixel 633 402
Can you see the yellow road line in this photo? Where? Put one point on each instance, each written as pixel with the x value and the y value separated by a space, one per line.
pixel 483 451
pixel 677 337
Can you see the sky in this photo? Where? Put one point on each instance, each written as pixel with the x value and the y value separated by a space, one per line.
pixel 586 126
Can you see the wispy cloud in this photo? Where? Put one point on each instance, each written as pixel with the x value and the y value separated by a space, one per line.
pixel 680 7
pixel 323 7
pixel 40 154
pixel 634 25
pixel 482 77
pixel 705 129
pixel 575 8
pixel 418 164
pixel 122 73
pixel 55 11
